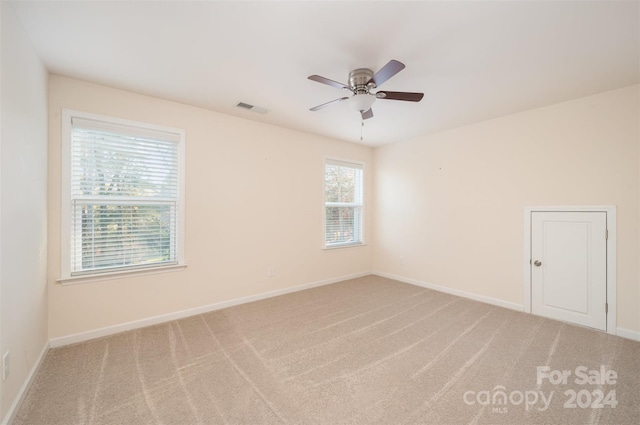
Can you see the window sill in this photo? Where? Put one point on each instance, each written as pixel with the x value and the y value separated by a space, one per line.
pixel 344 245
pixel 72 280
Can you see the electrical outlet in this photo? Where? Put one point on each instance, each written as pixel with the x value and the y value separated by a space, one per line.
pixel 6 367
pixel 271 272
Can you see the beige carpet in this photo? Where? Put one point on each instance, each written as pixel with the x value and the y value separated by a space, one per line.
pixel 364 351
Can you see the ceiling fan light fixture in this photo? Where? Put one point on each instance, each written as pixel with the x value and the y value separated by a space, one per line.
pixel 362 102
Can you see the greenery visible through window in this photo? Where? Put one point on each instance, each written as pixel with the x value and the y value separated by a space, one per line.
pixel 124 196
pixel 343 203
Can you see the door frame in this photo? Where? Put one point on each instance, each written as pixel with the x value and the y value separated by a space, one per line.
pixel 610 211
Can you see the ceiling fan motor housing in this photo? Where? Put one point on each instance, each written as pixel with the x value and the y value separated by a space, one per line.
pixel 358 80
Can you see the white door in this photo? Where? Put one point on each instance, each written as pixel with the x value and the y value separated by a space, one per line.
pixel 569 267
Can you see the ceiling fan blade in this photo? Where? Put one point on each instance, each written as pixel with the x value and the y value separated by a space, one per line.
pixel 367 114
pixel 328 82
pixel 387 71
pixel 400 95
pixel 316 108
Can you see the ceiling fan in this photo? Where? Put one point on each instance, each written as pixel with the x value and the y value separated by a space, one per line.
pixel 361 82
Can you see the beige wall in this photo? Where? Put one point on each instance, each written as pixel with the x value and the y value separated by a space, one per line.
pixel 253 200
pixel 23 210
pixel 452 204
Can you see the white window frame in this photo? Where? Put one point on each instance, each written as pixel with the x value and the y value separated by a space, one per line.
pixel 345 163
pixel 67 209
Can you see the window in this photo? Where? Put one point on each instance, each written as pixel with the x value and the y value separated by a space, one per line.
pixel 343 190
pixel 122 195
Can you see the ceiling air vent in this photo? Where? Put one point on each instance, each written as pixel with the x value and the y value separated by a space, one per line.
pixel 253 108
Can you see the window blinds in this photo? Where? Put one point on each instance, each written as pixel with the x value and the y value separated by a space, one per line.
pixel 343 203
pixel 124 196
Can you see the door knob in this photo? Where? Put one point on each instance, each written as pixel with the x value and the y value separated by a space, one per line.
pixel 537 263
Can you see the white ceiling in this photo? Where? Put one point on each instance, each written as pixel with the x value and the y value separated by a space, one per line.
pixel 473 60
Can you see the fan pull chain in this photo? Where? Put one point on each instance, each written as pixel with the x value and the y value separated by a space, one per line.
pixel 361 130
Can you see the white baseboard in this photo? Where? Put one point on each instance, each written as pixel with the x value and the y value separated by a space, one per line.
pixel 625 333
pixel 136 324
pixel 464 294
pixel 10 416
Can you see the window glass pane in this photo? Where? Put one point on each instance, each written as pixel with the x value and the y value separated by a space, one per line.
pixel 110 164
pixel 115 236
pixel 340 184
pixel 340 225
